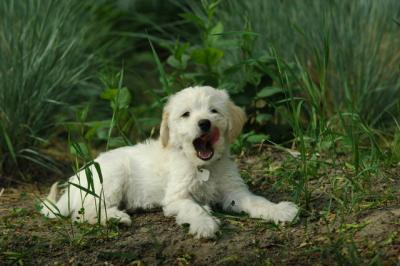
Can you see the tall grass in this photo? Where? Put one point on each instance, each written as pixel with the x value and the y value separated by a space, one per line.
pixel 87 170
pixel 44 65
pixel 363 41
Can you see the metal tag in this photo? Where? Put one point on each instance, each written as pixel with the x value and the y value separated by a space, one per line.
pixel 203 174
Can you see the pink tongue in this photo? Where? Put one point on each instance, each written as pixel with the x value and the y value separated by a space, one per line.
pixel 214 135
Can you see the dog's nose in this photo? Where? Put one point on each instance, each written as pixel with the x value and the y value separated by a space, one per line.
pixel 204 125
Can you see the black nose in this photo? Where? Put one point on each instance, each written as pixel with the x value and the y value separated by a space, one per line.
pixel 204 125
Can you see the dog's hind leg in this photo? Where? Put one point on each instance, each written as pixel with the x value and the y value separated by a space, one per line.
pixel 94 212
pixel 102 208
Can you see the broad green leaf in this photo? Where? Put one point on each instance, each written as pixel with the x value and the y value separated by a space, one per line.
pixel 257 138
pixel 123 98
pixel 178 63
pixel 263 118
pixel 109 94
pixel 207 56
pixel 119 98
pixel 214 34
pixel 172 61
pixel 268 91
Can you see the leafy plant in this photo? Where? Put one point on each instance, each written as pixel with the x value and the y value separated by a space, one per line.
pixel 362 73
pixel 209 60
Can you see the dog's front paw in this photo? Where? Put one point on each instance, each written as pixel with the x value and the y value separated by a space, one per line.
pixel 285 211
pixel 204 227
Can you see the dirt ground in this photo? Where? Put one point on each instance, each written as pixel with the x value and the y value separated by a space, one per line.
pixel 369 235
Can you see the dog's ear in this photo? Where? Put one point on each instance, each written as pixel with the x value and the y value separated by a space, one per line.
pixel 164 129
pixel 237 118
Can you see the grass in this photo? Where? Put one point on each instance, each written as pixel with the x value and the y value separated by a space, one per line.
pixel 88 170
pixel 326 233
pixel 363 40
pixel 44 66
pixel 297 64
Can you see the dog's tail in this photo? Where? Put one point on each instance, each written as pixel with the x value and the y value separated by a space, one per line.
pixel 53 193
pixel 49 207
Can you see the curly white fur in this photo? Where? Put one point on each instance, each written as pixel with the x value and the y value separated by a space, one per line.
pixel 167 172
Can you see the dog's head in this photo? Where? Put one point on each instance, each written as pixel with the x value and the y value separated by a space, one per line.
pixel 202 121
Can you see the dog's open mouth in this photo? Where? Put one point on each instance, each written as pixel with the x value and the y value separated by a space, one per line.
pixel 204 144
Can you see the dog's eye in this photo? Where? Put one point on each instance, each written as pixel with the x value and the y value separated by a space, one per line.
pixel 185 114
pixel 215 111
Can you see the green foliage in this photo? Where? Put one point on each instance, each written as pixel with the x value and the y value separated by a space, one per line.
pixel 208 61
pixel 328 100
pixel 246 140
pixel 325 73
pixel 76 232
pixel 126 124
pixel 328 134
pixel 44 65
pixel 363 43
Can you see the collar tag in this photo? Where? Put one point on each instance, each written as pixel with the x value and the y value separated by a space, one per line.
pixel 203 174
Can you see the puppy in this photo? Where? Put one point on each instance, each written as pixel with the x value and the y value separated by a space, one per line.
pixel 187 170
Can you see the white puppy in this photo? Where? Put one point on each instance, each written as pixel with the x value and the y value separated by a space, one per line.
pixel 187 170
